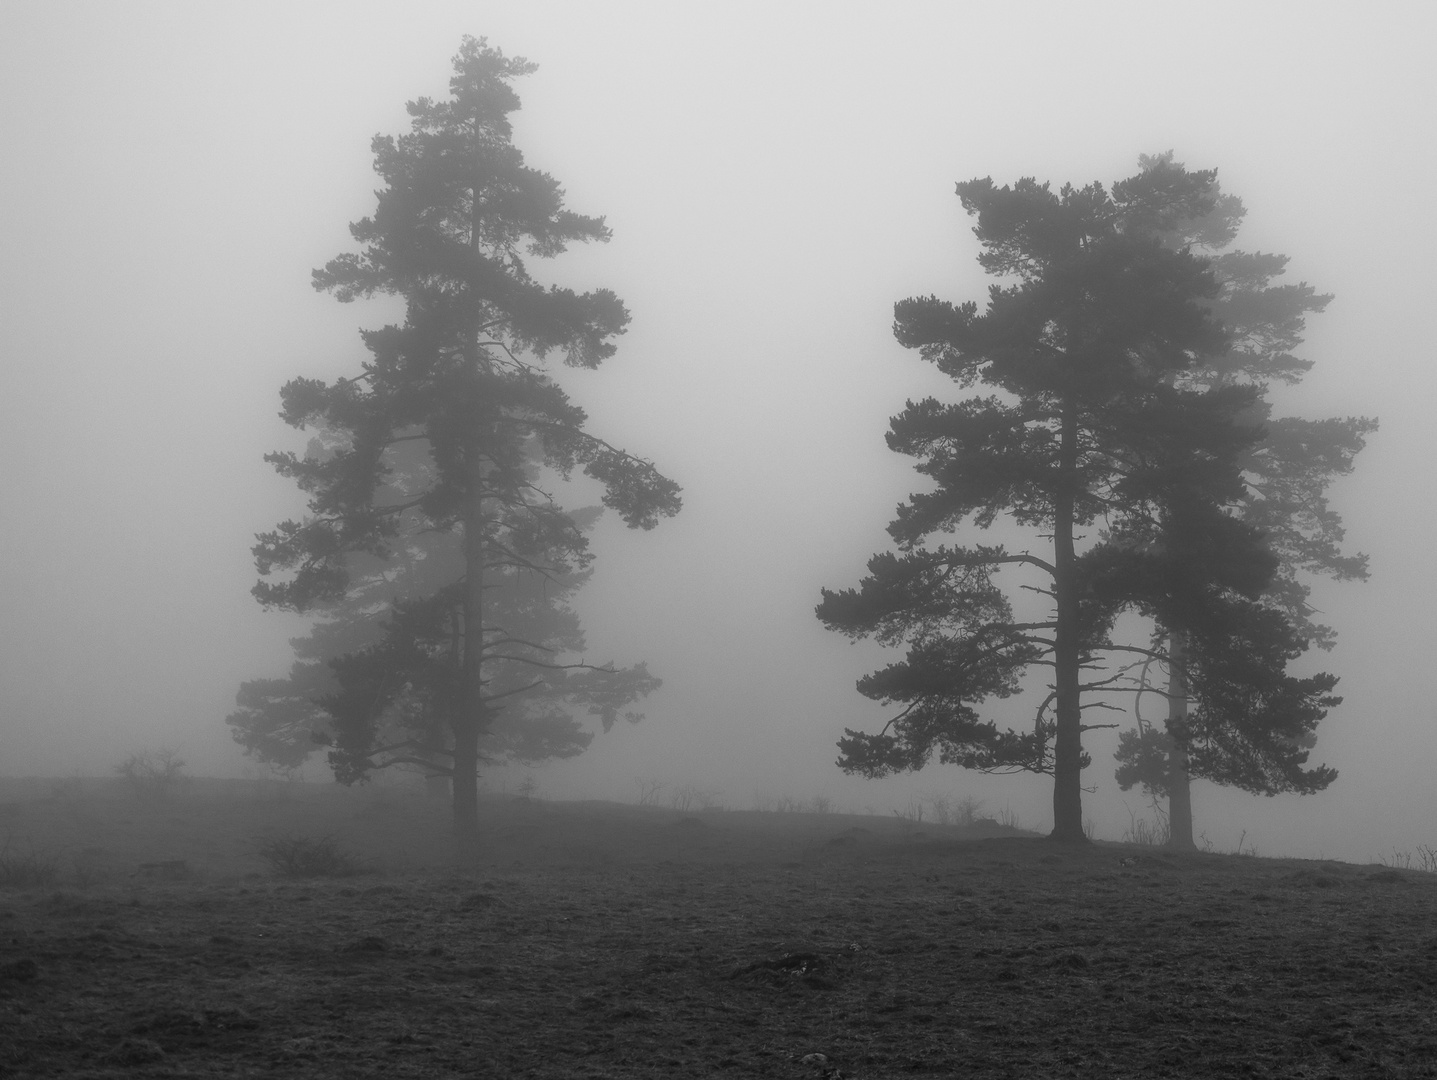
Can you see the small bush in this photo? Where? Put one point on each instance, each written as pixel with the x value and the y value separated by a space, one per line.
pixel 1147 833
pixel 19 870
pixel 1400 860
pixel 912 812
pixel 154 776
pixel 1424 859
pixel 306 857
pixel 942 807
pixel 950 811
pixel 777 804
pixel 685 798
pixel 690 797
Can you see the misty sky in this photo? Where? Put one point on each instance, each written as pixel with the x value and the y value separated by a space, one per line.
pixel 776 176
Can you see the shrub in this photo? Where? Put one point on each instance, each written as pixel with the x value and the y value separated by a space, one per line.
pixel 306 857
pixel 951 811
pixel 787 804
pixel 1147 833
pixel 154 776
pixel 19 870
pixel 911 813
pixel 690 797
pixel 1425 859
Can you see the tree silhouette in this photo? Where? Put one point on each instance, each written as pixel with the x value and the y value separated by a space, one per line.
pixel 374 679
pixel 1093 344
pixel 464 376
pixel 1262 748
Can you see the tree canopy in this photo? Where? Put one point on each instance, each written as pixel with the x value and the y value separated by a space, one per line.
pixel 375 678
pixel 1098 436
pixel 464 376
pixel 1262 748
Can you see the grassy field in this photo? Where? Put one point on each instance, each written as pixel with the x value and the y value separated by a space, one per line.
pixel 160 938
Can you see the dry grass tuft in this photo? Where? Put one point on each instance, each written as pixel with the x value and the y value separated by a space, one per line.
pixel 307 857
pixel 20 870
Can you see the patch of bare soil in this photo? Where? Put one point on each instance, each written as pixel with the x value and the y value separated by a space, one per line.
pixel 591 940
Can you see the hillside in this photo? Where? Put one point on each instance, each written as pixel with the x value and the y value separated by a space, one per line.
pixel 599 940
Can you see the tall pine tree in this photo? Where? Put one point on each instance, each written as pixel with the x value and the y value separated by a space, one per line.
pixel 464 375
pixel 1259 743
pixel 375 678
pixel 1091 343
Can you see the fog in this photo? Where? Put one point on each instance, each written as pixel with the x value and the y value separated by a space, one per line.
pixel 775 176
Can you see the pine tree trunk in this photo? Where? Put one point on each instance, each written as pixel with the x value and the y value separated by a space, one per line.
pixel 471 713
pixel 466 785
pixel 470 721
pixel 1068 738
pixel 1180 803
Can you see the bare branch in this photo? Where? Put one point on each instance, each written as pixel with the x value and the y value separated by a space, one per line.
pixel 517 690
pixel 514 641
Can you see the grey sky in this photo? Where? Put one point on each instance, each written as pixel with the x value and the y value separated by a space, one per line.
pixel 776 176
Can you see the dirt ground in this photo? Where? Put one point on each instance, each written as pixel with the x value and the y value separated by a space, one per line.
pixel 604 941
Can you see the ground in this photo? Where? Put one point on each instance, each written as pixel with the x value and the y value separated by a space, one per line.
pixel 598 940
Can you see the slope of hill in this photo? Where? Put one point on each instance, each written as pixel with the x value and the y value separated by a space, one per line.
pixel 599 940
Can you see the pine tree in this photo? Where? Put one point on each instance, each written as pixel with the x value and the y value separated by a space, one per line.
pixel 1092 344
pixel 465 376
pixel 374 678
pixel 1257 743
